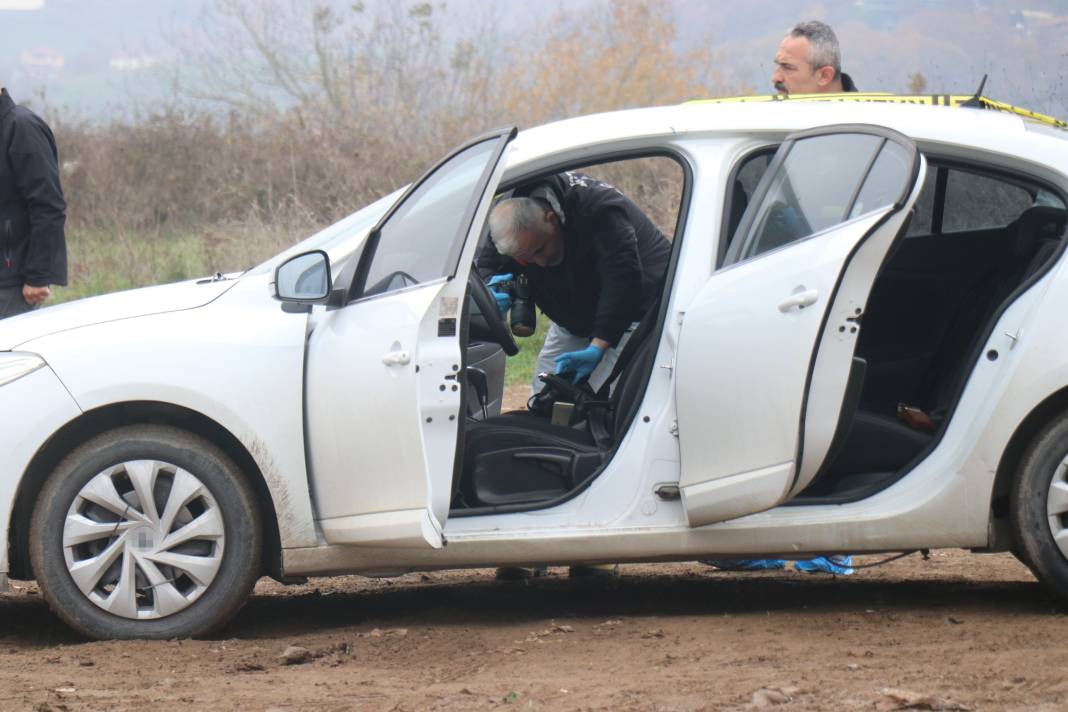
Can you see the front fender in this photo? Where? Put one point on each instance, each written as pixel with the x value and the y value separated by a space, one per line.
pixel 238 362
pixel 34 407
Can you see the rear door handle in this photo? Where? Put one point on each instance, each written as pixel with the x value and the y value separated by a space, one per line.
pixel 397 358
pixel 799 300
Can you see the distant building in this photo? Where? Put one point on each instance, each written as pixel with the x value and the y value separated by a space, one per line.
pixel 132 62
pixel 21 4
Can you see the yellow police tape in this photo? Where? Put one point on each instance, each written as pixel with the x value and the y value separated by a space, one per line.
pixel 886 98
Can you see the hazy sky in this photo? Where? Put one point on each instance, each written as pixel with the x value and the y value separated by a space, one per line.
pixel 95 57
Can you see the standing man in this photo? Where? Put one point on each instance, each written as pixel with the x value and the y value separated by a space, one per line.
pixel 33 249
pixel 809 62
pixel 595 262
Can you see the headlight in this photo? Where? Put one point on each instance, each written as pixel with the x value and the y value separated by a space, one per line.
pixel 15 365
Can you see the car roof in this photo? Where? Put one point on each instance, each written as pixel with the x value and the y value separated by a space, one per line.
pixel 951 127
pixel 976 101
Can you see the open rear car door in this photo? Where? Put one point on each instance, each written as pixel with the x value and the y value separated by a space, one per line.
pixel 766 349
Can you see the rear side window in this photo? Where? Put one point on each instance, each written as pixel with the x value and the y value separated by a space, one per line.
pixel 959 200
pixel 923 210
pixel 975 202
pixel 823 181
pixel 882 186
pixel 746 179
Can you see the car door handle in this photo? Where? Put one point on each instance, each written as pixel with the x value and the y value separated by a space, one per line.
pixel 799 300
pixel 397 358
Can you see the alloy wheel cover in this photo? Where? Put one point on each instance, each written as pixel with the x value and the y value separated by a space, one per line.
pixel 1057 507
pixel 144 539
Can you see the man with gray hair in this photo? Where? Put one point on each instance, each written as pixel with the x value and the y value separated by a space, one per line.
pixel 594 261
pixel 809 62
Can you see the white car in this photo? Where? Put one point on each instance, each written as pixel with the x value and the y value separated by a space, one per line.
pixel 860 347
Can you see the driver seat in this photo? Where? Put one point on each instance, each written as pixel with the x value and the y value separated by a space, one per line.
pixel 521 459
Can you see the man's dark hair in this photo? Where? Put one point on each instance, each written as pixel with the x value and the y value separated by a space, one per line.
pixel 823 45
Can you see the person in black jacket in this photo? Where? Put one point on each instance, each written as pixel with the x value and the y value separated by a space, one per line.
pixel 595 263
pixel 33 249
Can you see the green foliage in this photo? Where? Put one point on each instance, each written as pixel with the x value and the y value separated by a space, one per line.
pixel 110 261
pixel 520 368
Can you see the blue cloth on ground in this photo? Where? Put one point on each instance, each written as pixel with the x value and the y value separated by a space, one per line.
pixel 746 564
pixel 839 565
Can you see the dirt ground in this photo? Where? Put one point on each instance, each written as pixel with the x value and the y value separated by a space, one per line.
pixel 959 631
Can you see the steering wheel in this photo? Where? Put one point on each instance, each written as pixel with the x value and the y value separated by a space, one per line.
pixel 487 306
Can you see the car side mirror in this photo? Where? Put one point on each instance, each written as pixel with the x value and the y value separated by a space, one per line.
pixel 303 279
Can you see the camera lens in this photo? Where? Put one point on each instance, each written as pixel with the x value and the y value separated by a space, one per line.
pixel 524 319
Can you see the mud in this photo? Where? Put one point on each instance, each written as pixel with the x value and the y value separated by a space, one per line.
pixel 960 631
pixel 957 631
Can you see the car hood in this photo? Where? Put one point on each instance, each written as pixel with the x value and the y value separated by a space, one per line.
pixel 111 307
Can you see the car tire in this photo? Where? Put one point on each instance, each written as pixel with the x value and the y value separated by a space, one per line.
pixel 1039 507
pixel 111 564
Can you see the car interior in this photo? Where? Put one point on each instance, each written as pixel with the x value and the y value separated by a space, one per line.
pixel 976 239
pixel 531 459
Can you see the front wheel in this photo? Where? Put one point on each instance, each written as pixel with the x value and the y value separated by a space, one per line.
pixel 1040 507
pixel 146 531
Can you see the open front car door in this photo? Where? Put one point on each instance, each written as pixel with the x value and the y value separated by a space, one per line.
pixel 383 373
pixel 766 350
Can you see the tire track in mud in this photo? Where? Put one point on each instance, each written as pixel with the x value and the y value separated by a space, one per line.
pixel 973 630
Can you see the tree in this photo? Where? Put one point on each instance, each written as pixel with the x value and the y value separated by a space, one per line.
pixel 917 83
pixel 363 64
pixel 615 56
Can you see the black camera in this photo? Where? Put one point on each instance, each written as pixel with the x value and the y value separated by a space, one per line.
pixel 523 318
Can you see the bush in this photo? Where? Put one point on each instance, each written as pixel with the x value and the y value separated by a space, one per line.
pixel 300 115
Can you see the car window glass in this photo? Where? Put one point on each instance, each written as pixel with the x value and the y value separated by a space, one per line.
pixel 332 239
pixel 884 182
pixel 812 189
pixel 745 182
pixel 416 242
pixel 1044 197
pixel 923 211
pixel 974 202
pixel 654 183
pixel 752 171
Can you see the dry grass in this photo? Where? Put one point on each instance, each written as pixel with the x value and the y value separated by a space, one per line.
pixel 198 186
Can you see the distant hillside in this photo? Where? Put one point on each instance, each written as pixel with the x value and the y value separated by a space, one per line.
pixel 1023 46
pixel 98 57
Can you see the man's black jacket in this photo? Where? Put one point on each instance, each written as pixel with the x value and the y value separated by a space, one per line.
pixel 32 210
pixel 614 260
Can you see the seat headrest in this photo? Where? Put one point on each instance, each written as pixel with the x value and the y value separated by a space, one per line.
pixel 1034 224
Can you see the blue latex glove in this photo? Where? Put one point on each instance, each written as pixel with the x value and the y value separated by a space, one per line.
pixel 840 565
pixel 579 363
pixel 504 300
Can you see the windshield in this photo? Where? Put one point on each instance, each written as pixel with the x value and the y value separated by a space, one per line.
pixel 333 239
